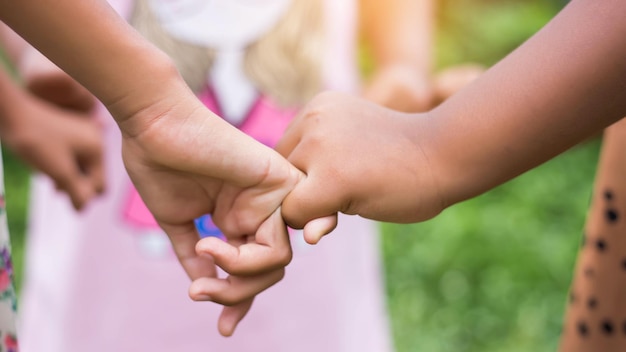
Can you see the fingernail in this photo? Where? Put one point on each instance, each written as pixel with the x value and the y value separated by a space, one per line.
pixel 202 298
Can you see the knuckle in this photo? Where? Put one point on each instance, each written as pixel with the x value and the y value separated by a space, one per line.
pixel 290 212
pixel 280 274
pixel 226 224
pixel 230 300
pixel 284 256
pixel 195 292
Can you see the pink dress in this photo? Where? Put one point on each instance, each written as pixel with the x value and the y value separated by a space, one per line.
pixel 106 279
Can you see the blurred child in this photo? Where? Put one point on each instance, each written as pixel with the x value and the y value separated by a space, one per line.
pixel 107 279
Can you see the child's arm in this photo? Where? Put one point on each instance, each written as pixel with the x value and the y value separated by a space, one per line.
pixel 184 160
pixel 47 81
pixel 563 85
pixel 399 34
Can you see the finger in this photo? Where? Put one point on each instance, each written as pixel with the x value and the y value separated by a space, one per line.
pixel 308 201
pixel 184 238
pixel 80 192
pixel 77 190
pixel 233 290
pixel 96 173
pixel 271 249
pixel 92 164
pixel 291 137
pixel 68 178
pixel 231 316
pixel 78 186
pixel 315 229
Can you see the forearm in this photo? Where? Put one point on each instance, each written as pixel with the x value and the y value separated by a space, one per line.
pixel 563 85
pixel 399 31
pixel 92 43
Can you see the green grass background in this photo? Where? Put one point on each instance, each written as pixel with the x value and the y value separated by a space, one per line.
pixel 490 274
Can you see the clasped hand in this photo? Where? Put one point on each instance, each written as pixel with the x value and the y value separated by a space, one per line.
pixel 188 162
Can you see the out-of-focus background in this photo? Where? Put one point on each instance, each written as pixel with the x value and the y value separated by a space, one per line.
pixel 490 274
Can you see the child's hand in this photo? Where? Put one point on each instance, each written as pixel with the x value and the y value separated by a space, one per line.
pixel 359 158
pixel 65 145
pixel 253 265
pixel 400 87
pixel 187 162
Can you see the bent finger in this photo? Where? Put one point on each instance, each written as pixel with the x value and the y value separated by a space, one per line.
pixel 271 249
pixel 233 290
pixel 69 179
pixel 92 167
pixel 291 137
pixel 184 238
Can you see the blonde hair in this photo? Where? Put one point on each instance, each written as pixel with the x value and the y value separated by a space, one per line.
pixel 285 64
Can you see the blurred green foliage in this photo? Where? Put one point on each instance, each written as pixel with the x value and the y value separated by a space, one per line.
pixel 485 31
pixel 16 176
pixel 492 273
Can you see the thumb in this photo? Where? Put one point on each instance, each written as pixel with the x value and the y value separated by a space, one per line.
pixel 310 207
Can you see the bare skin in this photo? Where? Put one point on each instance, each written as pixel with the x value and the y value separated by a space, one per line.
pixel 66 145
pixel 528 108
pixel 557 89
pixel 399 34
pixel 184 160
pixel 48 82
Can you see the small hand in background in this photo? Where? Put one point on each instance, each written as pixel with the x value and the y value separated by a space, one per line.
pixel 400 87
pixel 52 130
pixel 403 88
pixel 187 162
pixel 65 145
pixel 452 79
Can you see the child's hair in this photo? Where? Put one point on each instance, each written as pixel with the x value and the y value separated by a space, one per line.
pixel 284 64
pixel 193 61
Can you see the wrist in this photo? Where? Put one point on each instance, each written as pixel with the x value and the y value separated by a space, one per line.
pixel 430 184
pixel 150 98
pixel 460 163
